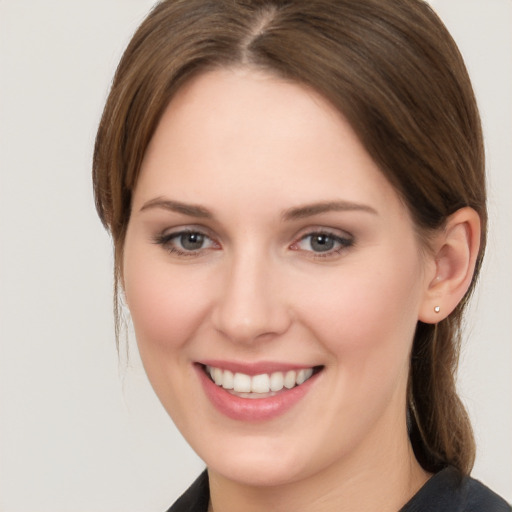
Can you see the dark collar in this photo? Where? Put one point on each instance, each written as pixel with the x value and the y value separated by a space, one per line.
pixel 450 491
pixel 446 491
pixel 195 498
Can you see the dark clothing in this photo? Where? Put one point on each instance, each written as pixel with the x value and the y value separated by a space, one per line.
pixel 195 498
pixel 446 491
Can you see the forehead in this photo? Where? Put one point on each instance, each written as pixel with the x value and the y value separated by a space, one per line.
pixel 241 132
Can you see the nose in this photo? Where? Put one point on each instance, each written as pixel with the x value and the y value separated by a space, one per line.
pixel 252 303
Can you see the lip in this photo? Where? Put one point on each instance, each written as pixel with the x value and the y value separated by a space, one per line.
pixel 252 409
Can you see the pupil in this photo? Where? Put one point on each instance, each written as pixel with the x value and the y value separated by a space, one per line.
pixel 322 243
pixel 191 241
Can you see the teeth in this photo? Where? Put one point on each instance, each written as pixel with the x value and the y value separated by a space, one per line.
pixel 242 383
pixel 263 383
pixel 217 376
pixel 228 380
pixel 260 383
pixel 289 379
pixel 276 381
pixel 304 375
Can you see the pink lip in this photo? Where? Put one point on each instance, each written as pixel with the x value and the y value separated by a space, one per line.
pixel 252 409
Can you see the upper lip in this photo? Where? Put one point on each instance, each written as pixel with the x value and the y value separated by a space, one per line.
pixel 254 368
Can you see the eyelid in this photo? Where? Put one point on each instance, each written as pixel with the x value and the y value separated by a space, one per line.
pixel 343 238
pixel 322 230
pixel 164 238
pixel 186 228
pixel 179 228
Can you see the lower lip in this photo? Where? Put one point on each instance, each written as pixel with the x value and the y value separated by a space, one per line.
pixel 252 409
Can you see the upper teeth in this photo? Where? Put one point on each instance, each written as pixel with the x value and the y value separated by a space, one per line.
pixel 263 383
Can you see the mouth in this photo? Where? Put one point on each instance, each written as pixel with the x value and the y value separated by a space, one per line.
pixel 262 385
pixel 256 392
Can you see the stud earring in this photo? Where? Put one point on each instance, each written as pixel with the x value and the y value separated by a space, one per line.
pixel 437 309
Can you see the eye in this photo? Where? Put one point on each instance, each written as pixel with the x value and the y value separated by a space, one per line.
pixel 186 242
pixel 191 241
pixel 322 243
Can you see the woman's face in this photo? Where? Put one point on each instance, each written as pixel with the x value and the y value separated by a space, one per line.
pixel 265 247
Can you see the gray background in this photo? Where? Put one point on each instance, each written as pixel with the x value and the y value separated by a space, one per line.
pixel 78 430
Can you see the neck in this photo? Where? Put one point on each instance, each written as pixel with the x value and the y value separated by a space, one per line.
pixel 381 477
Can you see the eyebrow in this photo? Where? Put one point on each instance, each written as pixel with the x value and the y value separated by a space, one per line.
pixel 295 213
pixel 191 210
pixel 309 210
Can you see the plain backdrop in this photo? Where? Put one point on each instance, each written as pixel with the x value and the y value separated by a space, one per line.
pixel 81 431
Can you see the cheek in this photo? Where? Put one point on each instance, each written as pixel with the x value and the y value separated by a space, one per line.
pixel 167 309
pixel 368 318
pixel 166 305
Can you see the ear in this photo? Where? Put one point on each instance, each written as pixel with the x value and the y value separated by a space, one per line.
pixel 455 250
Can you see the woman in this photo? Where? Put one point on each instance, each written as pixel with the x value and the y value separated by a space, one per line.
pixel 296 194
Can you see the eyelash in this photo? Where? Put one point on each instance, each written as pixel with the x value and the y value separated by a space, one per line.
pixel 343 243
pixel 166 241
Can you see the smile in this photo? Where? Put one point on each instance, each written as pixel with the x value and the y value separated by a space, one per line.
pixel 258 386
pixel 257 392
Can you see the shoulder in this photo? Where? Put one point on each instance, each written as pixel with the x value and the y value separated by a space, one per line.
pixel 449 491
pixel 195 498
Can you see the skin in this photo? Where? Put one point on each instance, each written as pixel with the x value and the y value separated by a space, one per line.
pixel 247 147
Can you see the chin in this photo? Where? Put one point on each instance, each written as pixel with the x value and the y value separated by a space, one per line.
pixel 257 473
pixel 257 462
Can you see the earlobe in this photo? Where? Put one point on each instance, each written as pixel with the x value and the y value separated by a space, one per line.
pixel 455 253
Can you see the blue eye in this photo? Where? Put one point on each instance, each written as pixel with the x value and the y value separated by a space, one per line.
pixel 185 243
pixel 323 244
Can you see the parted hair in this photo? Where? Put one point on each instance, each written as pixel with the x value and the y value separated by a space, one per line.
pixel 391 68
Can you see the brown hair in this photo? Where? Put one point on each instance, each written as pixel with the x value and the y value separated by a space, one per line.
pixel 392 69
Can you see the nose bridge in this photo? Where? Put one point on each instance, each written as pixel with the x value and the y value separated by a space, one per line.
pixel 250 303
